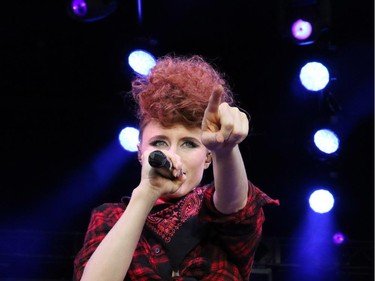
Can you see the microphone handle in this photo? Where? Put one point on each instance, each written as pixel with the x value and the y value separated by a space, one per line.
pixel 161 164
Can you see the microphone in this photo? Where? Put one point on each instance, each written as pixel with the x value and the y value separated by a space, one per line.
pixel 160 162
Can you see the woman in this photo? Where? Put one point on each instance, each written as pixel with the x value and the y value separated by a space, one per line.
pixel 173 228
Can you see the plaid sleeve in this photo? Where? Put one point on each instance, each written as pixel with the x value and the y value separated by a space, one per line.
pixel 239 233
pixel 102 220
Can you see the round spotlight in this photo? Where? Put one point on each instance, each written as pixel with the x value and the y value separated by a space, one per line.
pixel 91 10
pixel 141 61
pixel 79 7
pixel 314 76
pixel 338 238
pixel 326 141
pixel 321 201
pixel 301 29
pixel 129 138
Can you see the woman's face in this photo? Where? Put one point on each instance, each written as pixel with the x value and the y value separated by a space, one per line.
pixel 186 143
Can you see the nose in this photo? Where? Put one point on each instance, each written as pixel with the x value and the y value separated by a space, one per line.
pixel 172 149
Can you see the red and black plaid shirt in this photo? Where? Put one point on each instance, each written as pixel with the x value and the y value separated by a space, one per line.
pixel 186 240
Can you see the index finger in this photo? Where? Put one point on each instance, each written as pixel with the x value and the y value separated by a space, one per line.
pixel 215 100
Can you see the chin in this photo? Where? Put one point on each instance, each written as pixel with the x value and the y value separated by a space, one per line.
pixel 182 191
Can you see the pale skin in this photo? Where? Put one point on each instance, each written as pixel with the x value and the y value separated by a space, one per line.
pixel 191 152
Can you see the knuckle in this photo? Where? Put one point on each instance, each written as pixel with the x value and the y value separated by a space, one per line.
pixel 227 126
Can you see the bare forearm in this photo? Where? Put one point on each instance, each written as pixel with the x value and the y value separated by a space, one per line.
pixel 231 183
pixel 112 258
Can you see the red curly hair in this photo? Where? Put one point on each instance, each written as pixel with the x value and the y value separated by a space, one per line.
pixel 176 91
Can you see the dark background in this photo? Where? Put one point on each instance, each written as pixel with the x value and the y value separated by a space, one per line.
pixel 62 83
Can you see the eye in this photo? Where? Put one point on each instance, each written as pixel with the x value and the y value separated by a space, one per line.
pixel 189 144
pixel 158 143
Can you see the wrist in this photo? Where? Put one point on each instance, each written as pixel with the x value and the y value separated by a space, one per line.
pixel 225 152
pixel 145 195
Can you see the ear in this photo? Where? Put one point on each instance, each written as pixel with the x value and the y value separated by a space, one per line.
pixel 208 160
pixel 139 153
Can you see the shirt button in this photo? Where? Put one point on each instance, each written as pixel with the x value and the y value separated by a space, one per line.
pixel 157 250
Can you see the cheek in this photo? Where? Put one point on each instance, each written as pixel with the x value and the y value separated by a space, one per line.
pixel 195 162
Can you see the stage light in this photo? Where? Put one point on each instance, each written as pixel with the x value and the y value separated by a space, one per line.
pixel 129 138
pixel 90 10
pixel 314 76
pixel 141 61
pixel 79 8
pixel 304 21
pixel 321 201
pixel 304 30
pixel 338 238
pixel 301 30
pixel 326 141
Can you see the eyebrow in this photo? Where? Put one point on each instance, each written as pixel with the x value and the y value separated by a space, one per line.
pixel 159 137
pixel 164 137
pixel 191 139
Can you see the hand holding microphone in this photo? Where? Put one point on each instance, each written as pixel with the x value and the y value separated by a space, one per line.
pixel 159 161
